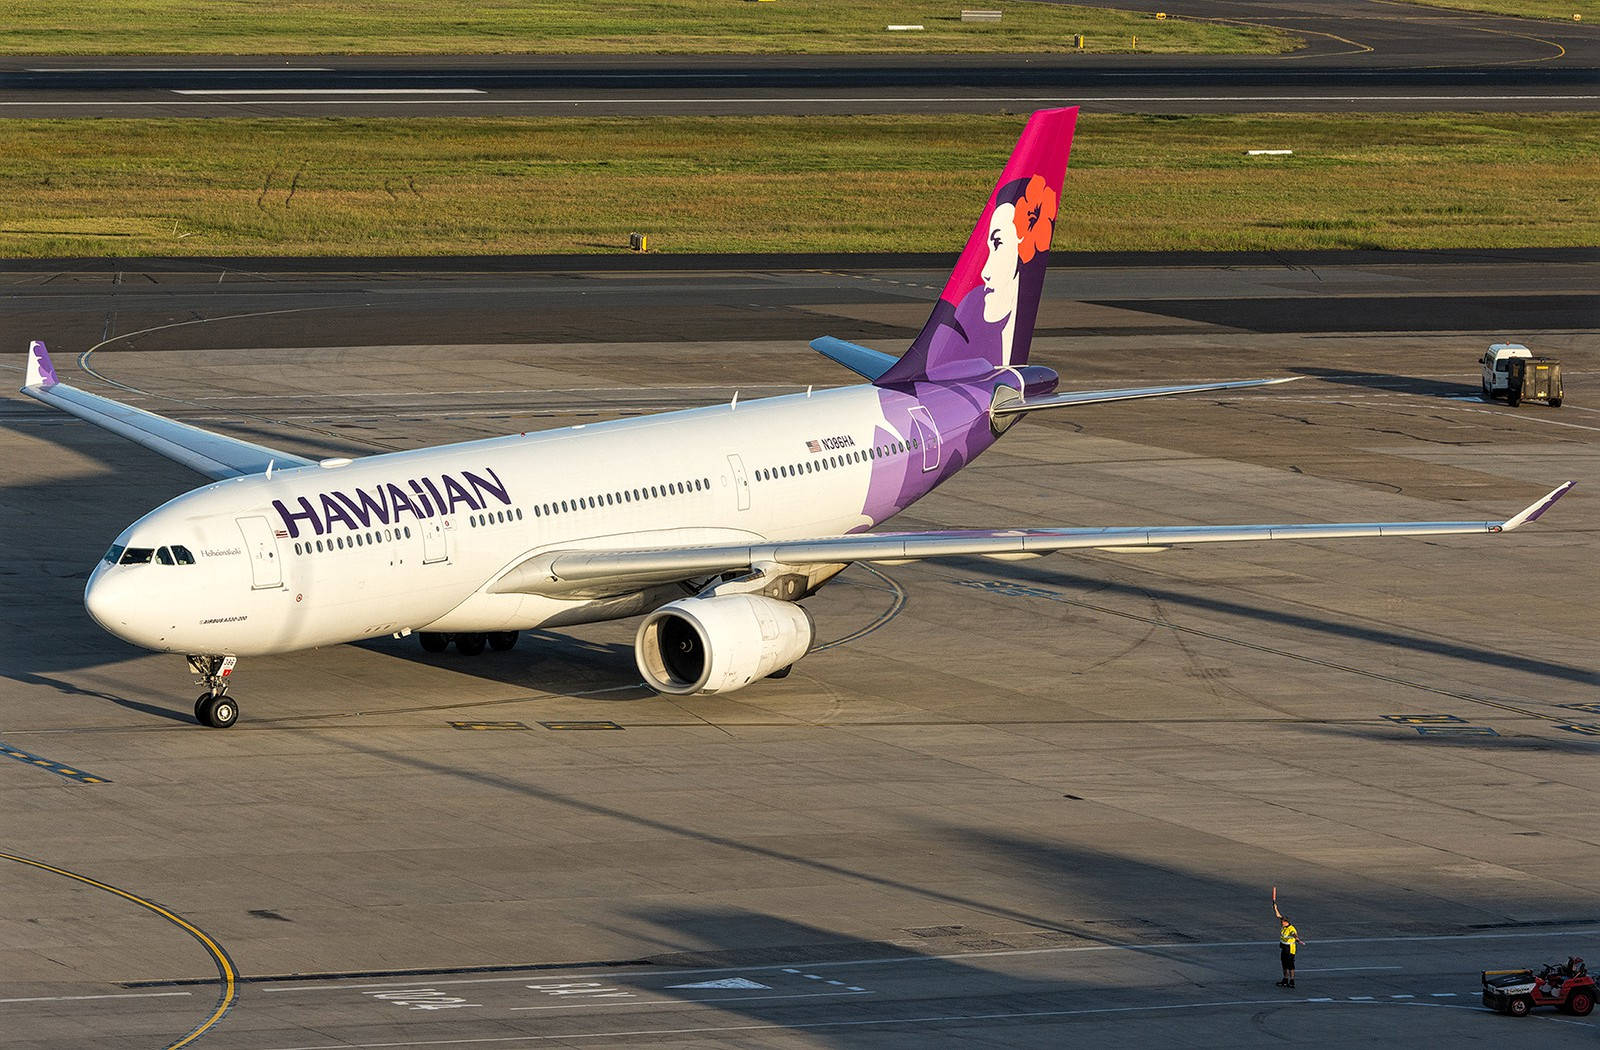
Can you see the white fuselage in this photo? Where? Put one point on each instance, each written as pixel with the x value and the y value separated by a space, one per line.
pixel 411 541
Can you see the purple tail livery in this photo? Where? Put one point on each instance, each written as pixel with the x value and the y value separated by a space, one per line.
pixel 984 317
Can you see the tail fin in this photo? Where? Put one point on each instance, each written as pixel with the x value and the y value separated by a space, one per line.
pixel 984 317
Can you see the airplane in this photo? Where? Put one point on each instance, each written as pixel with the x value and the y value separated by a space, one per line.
pixel 711 523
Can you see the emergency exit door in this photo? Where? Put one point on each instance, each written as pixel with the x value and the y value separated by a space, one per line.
pixel 741 481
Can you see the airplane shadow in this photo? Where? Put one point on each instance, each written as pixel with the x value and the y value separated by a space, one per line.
pixel 1378 636
pixel 1391 382
pixel 542 662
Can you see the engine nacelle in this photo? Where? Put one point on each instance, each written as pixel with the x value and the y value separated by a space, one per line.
pixel 719 644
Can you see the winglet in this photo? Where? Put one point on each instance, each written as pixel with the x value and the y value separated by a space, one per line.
pixel 1532 511
pixel 40 371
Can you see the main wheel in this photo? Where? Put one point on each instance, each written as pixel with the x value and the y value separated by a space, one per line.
pixel 501 641
pixel 1580 1002
pixel 433 642
pixel 1519 1006
pixel 469 644
pixel 218 712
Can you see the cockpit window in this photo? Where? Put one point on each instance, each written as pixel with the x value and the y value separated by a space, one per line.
pixel 164 556
pixel 181 555
pixel 137 556
pixel 113 555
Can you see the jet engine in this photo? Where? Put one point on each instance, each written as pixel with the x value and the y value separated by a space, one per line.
pixel 719 644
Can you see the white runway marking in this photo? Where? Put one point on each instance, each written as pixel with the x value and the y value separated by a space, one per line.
pixel 1578 931
pixel 694 1002
pixel 931 1019
pixel 78 998
pixel 327 91
pixel 180 69
pixel 1037 100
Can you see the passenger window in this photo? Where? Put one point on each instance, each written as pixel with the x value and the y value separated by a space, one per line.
pixel 138 556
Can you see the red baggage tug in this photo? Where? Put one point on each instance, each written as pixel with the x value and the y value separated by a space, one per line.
pixel 1566 986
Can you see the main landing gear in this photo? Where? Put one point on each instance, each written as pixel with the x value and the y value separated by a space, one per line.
pixel 214 708
pixel 468 643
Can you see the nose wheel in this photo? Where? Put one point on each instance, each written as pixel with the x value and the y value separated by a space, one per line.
pixel 214 708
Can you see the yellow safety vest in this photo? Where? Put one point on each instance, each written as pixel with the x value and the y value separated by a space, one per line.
pixel 1288 936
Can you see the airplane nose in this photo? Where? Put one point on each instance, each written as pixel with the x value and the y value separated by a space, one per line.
pixel 112 598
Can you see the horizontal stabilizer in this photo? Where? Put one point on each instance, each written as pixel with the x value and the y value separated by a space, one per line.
pixel 1095 397
pixel 863 361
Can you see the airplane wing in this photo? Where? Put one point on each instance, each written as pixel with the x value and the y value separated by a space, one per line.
pixel 1095 397
pixel 601 572
pixel 213 455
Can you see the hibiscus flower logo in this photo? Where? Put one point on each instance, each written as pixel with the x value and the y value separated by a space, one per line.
pixel 1035 218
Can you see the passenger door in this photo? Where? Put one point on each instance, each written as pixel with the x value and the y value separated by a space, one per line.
pixel 262 547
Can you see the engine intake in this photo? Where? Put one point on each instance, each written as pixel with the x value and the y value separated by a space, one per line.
pixel 719 644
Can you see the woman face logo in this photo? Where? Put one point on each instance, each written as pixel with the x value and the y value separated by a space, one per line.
pixel 1000 271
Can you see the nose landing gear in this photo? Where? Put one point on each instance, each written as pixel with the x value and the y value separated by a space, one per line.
pixel 214 708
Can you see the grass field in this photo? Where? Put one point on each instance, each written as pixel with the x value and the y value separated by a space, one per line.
pixel 257 27
pixel 1561 9
pixel 439 186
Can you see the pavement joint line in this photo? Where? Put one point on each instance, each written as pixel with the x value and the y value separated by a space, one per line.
pixel 580 971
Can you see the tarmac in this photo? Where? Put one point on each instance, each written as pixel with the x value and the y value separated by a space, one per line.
pixel 1004 804
pixel 1363 55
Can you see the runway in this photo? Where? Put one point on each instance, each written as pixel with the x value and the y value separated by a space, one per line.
pixel 1373 55
pixel 1022 804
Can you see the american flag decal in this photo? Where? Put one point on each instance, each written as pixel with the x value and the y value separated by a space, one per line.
pixel 813 446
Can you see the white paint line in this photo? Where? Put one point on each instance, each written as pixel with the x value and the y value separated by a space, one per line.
pixel 179 69
pixel 577 1005
pixel 79 998
pixel 931 1019
pixel 1442 995
pixel 1403 996
pixel 976 99
pixel 327 91
pixel 1328 1000
pixel 1361 998
pixel 1336 969
pixel 902 959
